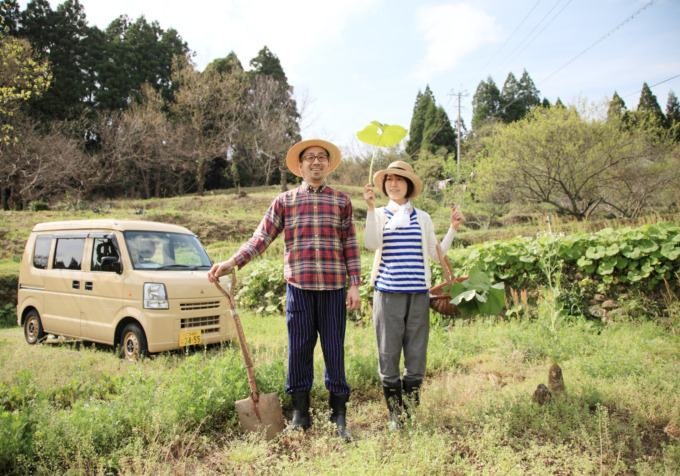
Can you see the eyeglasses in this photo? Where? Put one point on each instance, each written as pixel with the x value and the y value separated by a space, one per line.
pixel 310 158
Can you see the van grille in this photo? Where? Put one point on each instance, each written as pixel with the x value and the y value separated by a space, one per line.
pixel 194 306
pixel 190 322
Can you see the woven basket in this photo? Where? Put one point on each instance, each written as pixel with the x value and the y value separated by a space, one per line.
pixel 440 301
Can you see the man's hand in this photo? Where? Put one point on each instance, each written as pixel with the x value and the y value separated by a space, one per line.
pixel 220 269
pixel 353 298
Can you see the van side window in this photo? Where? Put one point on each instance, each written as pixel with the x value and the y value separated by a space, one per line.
pixel 105 256
pixel 69 253
pixel 41 251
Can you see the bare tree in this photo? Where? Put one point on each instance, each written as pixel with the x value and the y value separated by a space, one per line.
pixel 208 112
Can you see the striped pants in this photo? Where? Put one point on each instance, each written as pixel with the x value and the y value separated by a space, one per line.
pixel 309 313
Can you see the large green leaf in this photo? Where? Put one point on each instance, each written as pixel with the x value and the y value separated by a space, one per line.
pixel 390 135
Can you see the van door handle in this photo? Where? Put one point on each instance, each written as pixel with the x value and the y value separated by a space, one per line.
pixel 76 284
pixel 88 285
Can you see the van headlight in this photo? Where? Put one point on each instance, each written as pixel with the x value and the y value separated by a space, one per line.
pixel 155 296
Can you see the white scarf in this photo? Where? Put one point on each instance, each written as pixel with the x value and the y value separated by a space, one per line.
pixel 402 218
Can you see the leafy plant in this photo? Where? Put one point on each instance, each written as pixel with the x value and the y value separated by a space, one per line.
pixel 390 135
pixel 477 294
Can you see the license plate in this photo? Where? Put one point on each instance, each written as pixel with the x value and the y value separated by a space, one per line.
pixel 189 338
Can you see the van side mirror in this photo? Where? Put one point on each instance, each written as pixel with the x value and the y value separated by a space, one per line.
pixel 111 263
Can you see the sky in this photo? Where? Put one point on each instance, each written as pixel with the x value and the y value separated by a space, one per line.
pixel 351 62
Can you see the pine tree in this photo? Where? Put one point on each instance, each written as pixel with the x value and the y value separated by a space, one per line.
pixel 511 109
pixel 617 109
pixel 528 93
pixel 485 103
pixel 649 106
pixel 424 101
pixel 430 128
pixel 673 115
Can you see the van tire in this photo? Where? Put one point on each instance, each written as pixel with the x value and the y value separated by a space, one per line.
pixel 132 343
pixel 33 329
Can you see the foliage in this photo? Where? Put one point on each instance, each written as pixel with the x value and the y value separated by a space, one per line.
pixel 477 294
pixel 644 256
pixel 556 157
pixel 8 315
pixel 430 129
pixel 262 287
pixel 390 135
pixel 22 78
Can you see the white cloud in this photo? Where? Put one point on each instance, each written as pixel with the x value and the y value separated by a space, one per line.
pixel 451 32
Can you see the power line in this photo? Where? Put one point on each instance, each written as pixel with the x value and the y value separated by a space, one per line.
pixel 605 36
pixel 511 35
pixel 528 39
pixel 653 85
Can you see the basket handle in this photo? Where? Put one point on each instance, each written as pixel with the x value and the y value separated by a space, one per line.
pixel 446 266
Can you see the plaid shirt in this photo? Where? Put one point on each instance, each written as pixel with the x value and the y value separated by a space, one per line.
pixel 320 244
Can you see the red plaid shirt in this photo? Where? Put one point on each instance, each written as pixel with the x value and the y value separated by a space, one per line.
pixel 320 244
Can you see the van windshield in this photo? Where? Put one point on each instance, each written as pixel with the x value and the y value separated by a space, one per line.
pixel 164 251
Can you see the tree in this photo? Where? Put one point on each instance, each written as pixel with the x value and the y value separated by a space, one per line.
pixel 529 95
pixel 617 109
pixel 554 157
pixel 272 125
pixel 673 116
pixel 63 38
pixel 208 111
pixel 511 109
pixel 21 78
pixel 137 53
pixel 486 103
pixel 430 128
pixel 649 107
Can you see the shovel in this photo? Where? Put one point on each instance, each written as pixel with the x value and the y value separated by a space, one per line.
pixel 258 412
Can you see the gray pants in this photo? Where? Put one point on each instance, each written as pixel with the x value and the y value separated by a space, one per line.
pixel 401 321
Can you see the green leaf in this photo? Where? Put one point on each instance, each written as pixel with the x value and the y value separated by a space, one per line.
pixel 391 134
pixel 670 252
pixel 606 267
pixel 595 252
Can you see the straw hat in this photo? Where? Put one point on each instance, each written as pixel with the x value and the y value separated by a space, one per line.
pixel 402 169
pixel 293 156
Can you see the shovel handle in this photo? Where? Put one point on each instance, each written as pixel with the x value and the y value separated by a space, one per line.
pixel 255 395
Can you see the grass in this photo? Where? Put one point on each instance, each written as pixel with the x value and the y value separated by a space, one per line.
pixel 619 414
pixel 68 408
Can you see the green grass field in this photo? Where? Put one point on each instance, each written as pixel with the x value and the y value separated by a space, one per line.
pixel 71 408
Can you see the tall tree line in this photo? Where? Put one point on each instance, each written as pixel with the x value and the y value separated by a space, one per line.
pixel 135 115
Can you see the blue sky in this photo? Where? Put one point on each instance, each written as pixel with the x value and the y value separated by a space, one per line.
pixel 355 61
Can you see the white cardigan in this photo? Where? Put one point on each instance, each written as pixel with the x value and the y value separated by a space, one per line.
pixel 373 239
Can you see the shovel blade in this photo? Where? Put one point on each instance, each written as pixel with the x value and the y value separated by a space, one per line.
pixel 271 416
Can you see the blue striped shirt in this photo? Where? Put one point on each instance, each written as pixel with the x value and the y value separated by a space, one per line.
pixel 402 269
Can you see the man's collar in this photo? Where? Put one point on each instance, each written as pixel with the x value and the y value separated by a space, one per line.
pixel 311 189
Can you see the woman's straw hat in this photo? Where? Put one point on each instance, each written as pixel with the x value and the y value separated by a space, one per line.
pixel 402 169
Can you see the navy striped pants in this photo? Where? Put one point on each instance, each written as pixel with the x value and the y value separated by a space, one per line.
pixel 309 313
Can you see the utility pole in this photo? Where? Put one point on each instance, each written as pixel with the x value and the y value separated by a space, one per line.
pixel 458 128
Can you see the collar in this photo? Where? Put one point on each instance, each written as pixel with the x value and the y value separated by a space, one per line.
pixel 311 189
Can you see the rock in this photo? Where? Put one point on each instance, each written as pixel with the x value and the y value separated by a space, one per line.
pixel 610 304
pixel 542 395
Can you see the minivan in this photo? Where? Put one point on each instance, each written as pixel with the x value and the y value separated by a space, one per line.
pixel 140 286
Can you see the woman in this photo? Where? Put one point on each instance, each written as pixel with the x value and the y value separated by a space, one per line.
pixel 403 238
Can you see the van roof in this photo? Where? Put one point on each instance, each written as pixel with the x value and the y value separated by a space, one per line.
pixel 110 224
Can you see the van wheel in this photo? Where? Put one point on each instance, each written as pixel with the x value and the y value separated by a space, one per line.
pixel 133 343
pixel 33 330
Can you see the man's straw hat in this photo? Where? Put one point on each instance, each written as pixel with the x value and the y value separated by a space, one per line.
pixel 293 156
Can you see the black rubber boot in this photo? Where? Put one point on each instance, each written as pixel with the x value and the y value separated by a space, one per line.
pixel 394 404
pixel 338 404
pixel 411 395
pixel 301 419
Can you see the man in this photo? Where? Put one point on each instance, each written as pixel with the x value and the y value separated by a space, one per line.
pixel 321 252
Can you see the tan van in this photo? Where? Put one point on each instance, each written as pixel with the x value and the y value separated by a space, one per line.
pixel 139 285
